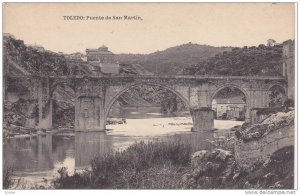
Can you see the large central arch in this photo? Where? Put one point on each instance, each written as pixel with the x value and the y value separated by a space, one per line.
pixel 114 99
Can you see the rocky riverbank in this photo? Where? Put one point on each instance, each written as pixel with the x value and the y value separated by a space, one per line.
pixel 263 158
pixel 218 169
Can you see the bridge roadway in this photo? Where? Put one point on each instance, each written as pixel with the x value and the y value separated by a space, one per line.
pixel 95 94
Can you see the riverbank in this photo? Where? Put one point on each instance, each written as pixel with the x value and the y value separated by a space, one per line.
pixel 73 151
pixel 166 168
pixel 174 165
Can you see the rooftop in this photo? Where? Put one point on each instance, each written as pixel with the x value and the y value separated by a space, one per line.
pixel 101 50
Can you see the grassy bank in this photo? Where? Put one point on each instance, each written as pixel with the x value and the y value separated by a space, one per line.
pixel 156 165
pixel 163 165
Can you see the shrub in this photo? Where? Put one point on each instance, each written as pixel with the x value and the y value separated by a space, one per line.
pixel 137 163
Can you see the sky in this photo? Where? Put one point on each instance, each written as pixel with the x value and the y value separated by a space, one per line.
pixel 162 25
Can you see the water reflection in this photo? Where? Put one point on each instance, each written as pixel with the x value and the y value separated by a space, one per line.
pixel 37 154
pixel 43 155
pixel 29 154
pixel 91 144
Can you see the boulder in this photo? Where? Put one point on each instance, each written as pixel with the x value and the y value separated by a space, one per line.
pixel 197 157
pixel 223 154
pixel 212 167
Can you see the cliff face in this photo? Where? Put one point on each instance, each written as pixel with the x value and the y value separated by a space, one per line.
pixel 257 142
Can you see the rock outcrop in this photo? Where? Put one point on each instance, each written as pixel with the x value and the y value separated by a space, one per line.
pixel 218 169
pixel 210 169
pixel 263 158
pixel 258 142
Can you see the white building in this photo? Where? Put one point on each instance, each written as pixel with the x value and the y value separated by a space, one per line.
pixel 233 107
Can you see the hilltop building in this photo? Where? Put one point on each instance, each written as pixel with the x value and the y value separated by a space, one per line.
pixel 103 60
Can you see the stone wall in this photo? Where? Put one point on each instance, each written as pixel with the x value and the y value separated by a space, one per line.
pixel 246 154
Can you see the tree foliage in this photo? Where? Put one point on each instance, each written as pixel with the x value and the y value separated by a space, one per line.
pixel 252 61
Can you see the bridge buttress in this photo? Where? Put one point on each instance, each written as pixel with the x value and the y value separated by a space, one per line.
pixel 45 104
pixel 89 107
pixel 89 114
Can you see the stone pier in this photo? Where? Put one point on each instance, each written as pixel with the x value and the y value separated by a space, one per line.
pixel 89 114
pixel 203 119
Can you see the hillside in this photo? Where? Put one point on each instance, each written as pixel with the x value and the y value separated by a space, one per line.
pixel 172 60
pixel 27 60
pixel 252 61
pixel 33 61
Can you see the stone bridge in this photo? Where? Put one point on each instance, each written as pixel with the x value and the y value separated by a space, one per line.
pixel 95 95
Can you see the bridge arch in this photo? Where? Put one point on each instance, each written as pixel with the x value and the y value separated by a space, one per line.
pixel 282 88
pixel 63 99
pixel 280 92
pixel 114 99
pixel 242 90
pixel 230 86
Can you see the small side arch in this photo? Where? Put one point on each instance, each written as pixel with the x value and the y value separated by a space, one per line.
pixel 230 86
pixel 277 95
pixel 283 88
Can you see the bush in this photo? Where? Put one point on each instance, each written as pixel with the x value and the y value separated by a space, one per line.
pixel 127 169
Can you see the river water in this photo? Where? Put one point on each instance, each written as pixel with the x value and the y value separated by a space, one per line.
pixel 41 156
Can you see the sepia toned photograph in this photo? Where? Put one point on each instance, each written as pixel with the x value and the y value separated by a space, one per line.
pixel 149 96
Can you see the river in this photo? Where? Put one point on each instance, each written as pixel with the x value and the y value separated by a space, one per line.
pixel 41 156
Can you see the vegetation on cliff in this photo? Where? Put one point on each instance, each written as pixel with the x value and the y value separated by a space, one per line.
pixel 172 60
pixel 252 61
pixel 34 61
